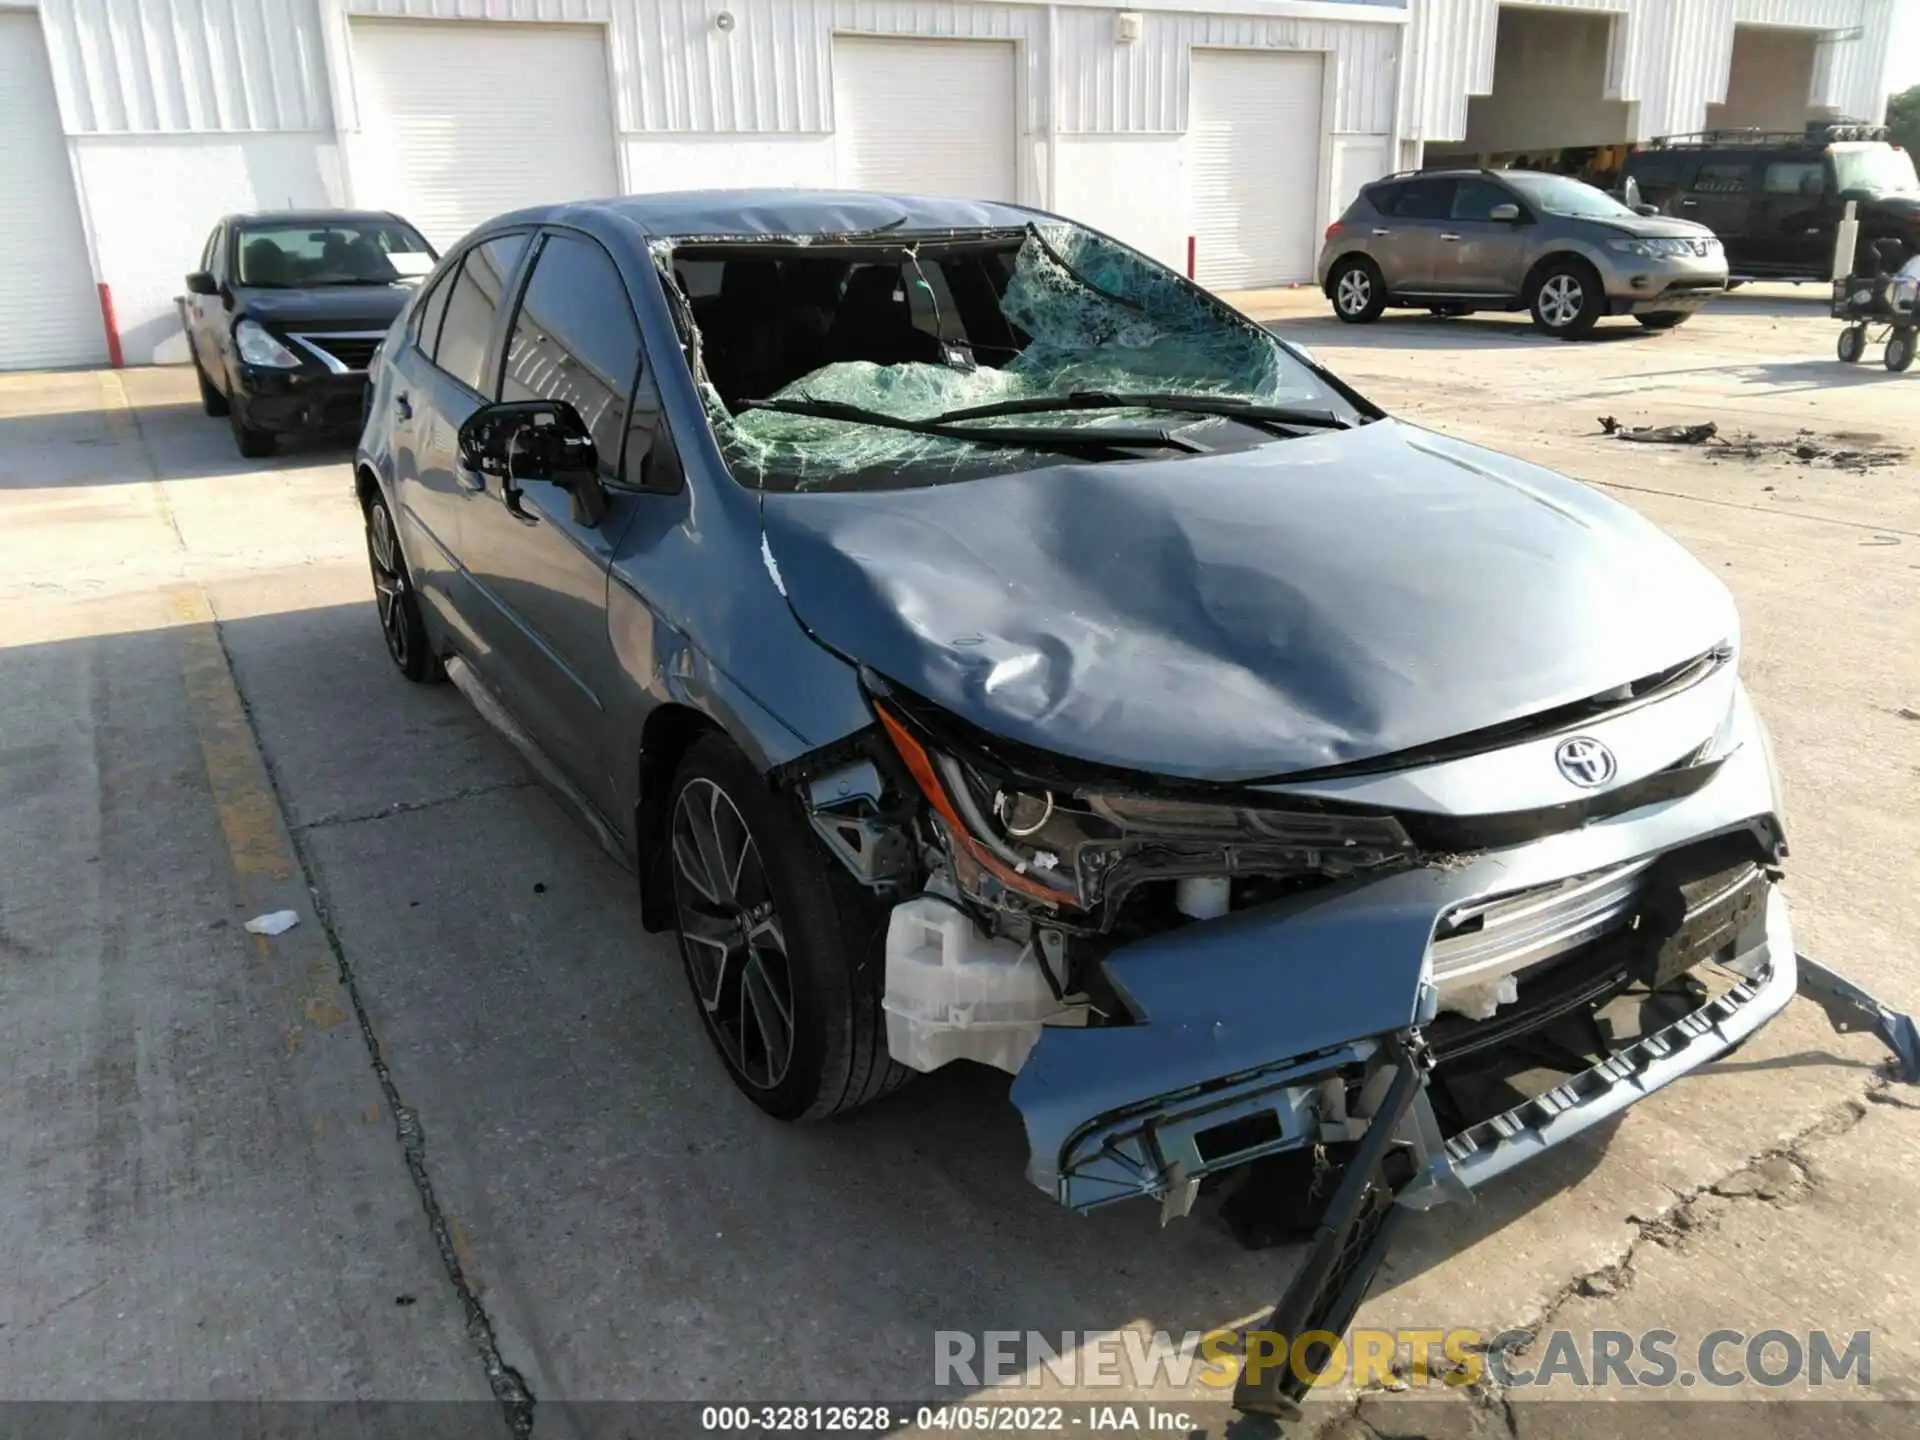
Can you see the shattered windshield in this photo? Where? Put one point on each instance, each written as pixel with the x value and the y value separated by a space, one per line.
pixel 882 334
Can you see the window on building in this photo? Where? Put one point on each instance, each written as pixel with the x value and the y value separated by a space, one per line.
pixel 473 301
pixel 1724 177
pixel 1795 177
pixel 575 339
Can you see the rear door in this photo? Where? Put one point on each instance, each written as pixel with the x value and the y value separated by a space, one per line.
pixel 1795 215
pixel 205 312
pixel 542 570
pixel 441 378
pixel 1719 195
pixel 1406 240
pixel 1478 255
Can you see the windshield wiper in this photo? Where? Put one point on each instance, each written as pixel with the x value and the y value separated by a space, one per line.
pixel 1268 416
pixel 1023 437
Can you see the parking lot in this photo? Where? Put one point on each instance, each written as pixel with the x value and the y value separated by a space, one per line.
pixel 458 1134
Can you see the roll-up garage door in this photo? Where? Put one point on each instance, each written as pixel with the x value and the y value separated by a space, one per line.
pixel 49 313
pixel 1253 166
pixel 925 117
pixel 462 122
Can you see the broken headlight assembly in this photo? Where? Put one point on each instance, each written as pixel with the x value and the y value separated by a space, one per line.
pixel 1044 835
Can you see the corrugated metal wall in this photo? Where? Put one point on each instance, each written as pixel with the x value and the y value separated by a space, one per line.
pixel 1110 86
pixel 1671 57
pixel 147 66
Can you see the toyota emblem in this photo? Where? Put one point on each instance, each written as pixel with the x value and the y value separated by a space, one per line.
pixel 1585 761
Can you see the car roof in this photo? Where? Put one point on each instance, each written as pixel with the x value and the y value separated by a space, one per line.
pixel 307 217
pixel 730 214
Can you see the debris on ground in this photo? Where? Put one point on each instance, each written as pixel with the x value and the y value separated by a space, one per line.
pixel 1803 448
pixel 274 922
pixel 1660 434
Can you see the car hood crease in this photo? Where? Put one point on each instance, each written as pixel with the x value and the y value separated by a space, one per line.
pixel 1248 614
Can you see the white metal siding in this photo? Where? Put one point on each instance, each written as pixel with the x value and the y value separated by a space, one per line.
pixel 48 312
pixel 149 66
pixel 1142 86
pixel 1672 57
pixel 1253 165
pixel 926 117
pixel 460 123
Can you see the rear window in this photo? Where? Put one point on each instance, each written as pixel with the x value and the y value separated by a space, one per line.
pixel 1423 200
pixel 1724 177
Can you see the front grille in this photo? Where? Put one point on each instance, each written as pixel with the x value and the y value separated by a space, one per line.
pixel 1486 939
pixel 347 353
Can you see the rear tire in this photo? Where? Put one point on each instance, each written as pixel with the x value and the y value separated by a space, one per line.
pixel 1665 319
pixel 1900 350
pixel 785 954
pixel 1567 299
pixel 211 400
pixel 401 624
pixel 1357 290
pixel 251 441
pixel 1853 344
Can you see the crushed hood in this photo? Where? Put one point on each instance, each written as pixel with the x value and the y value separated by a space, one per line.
pixel 1248 614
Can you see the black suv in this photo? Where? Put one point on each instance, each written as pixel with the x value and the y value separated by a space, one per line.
pixel 1775 200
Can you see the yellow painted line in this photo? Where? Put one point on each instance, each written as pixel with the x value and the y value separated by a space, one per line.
pixel 249 817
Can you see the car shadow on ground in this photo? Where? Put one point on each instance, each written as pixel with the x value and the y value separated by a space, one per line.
pixel 115 445
pixel 590 1148
pixel 1414 330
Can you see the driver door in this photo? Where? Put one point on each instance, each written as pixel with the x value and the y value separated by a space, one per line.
pixel 540 564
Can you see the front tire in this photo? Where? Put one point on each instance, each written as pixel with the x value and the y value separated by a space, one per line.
pixel 1357 290
pixel 211 400
pixel 783 952
pixel 401 624
pixel 252 442
pixel 1900 350
pixel 1567 299
pixel 1665 319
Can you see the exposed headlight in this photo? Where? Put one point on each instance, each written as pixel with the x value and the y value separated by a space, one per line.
pixel 1664 245
pixel 257 346
pixel 1063 843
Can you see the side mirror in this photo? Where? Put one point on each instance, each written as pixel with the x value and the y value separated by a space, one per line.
pixel 546 440
pixel 1646 209
pixel 201 283
pixel 1509 212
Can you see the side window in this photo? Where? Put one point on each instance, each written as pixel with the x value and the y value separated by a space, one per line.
pixel 473 301
pixel 1795 177
pixel 1475 199
pixel 432 307
pixel 1384 197
pixel 1424 200
pixel 575 339
pixel 1724 177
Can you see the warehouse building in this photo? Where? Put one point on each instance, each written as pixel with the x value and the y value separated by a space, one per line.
pixel 1224 134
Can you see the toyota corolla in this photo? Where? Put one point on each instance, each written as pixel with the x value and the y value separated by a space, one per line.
pixel 985 645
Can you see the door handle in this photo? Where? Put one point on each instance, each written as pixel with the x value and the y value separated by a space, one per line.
pixel 1378 231
pixel 1449 237
pixel 1688 204
pixel 403 407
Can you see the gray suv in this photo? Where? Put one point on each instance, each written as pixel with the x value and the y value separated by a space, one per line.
pixel 1457 241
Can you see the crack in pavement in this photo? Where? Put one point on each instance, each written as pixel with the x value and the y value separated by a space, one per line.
pixel 408 807
pixel 509 1387
pixel 1781 1174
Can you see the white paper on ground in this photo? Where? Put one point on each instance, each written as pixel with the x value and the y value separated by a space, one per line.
pixel 273 923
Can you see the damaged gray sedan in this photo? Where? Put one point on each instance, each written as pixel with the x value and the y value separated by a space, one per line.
pixel 983 644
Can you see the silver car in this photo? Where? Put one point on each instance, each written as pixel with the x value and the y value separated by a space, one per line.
pixel 1458 241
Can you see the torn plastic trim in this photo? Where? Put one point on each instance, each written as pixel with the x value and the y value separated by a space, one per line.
pixel 1630 1074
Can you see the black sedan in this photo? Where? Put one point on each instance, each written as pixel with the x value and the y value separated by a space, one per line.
pixel 286 311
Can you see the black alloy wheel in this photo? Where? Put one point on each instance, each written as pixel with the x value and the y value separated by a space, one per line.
pixel 733 939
